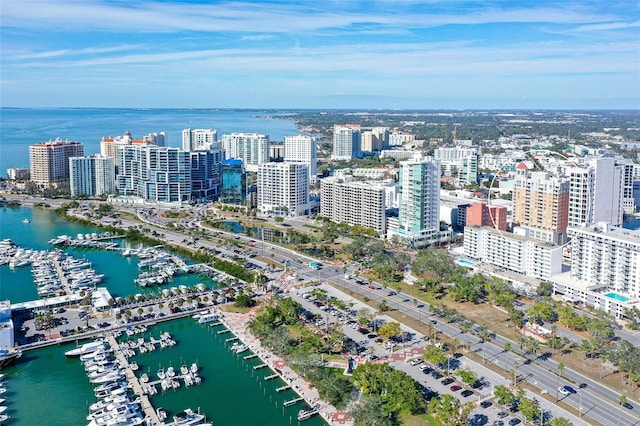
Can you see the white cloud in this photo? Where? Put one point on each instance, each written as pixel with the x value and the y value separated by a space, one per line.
pixel 606 26
pixel 73 52
pixel 141 17
pixel 257 37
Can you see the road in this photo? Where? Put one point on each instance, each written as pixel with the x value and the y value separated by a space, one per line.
pixel 596 401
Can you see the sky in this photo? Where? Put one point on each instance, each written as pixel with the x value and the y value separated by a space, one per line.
pixel 393 54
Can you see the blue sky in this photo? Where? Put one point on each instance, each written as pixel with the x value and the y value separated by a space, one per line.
pixel 321 54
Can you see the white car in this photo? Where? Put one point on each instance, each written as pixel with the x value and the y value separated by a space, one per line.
pixel 564 391
pixel 416 361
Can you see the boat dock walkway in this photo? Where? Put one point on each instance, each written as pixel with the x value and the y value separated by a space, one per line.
pixel 293 401
pixel 145 404
pixel 62 277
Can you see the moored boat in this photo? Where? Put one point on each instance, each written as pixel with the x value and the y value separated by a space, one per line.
pixel 307 413
pixel 85 349
pixel 207 318
pixel 188 417
pixel 8 357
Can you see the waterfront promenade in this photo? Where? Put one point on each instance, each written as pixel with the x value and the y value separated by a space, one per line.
pixel 237 324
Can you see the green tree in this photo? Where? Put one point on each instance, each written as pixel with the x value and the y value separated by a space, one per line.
pixel 504 395
pixel 529 409
pixel 435 355
pixel 560 421
pixel 543 309
pixel 390 330
pixel 370 412
pixel 434 261
pixel 467 376
pixel 517 318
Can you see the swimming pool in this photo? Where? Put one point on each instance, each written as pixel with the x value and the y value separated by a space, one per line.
pixel 465 262
pixel 616 296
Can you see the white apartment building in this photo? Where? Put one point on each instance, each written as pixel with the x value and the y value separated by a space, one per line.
pixel 251 148
pixel 346 142
pixel 355 203
pixel 199 139
pixel 302 149
pixel 159 174
pixel 595 192
pixel 419 202
pixel 399 139
pixel 158 139
pixel 628 173
pixel 468 170
pixel 537 259
pixel 605 268
pixel 109 145
pixel 18 173
pixel 398 154
pixel 283 189
pixel 606 257
pixel 375 139
pixel 454 154
pixel 49 161
pixel 93 176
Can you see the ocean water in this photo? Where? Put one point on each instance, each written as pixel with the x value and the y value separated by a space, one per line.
pixel 44 387
pixel 20 128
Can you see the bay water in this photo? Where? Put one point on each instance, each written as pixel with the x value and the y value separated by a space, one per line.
pixel 44 387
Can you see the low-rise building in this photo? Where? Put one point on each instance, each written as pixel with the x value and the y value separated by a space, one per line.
pixel 534 258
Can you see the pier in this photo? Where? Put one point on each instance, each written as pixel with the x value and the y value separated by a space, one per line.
pixel 258 367
pixel 250 356
pixel 272 376
pixel 292 402
pixel 61 276
pixel 226 330
pixel 283 388
pixel 231 339
pixel 145 404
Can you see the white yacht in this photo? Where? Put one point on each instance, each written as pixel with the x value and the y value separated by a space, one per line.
pixel 85 349
pixel 207 318
pixel 188 417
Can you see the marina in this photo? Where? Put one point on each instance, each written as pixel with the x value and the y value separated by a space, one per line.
pixel 47 370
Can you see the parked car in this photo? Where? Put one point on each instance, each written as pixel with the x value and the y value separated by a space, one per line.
pixel 455 388
pixel 416 361
pixel 447 381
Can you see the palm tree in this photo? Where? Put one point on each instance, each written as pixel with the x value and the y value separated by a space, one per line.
pixel 560 367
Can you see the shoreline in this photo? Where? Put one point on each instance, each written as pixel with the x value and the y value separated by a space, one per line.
pixel 236 324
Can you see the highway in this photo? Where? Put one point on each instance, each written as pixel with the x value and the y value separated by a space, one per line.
pixel 597 401
pixel 592 398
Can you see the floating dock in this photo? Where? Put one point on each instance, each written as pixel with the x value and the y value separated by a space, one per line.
pixel 283 388
pixel 273 376
pixel 226 330
pixel 258 367
pixel 145 404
